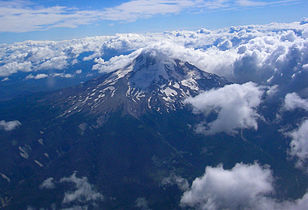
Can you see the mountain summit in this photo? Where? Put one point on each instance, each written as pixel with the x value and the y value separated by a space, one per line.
pixel 151 82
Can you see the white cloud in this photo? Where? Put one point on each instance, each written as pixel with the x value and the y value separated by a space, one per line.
pixel 82 196
pixel 293 101
pixel 62 75
pixel 299 144
pixel 273 54
pixel 59 62
pixel 38 76
pixel 272 90
pixel 48 184
pixel 299 204
pixel 84 192
pixel 18 16
pixel 242 187
pixel 135 9
pixel 180 182
pixel 9 125
pixel 253 3
pixel 25 16
pixel 215 4
pixel 13 67
pixel 234 104
pixel 115 63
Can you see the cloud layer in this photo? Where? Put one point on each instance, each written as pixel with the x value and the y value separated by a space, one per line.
pixel 234 104
pixel 274 54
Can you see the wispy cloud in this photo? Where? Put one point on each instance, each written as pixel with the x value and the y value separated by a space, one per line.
pixel 216 4
pixel 136 9
pixel 254 3
pixel 22 17
pixel 25 16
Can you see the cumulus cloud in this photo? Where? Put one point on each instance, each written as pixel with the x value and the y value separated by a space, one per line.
pixel 293 101
pixel 84 192
pixel 13 67
pixel 58 62
pixel 234 104
pixel 242 187
pixel 299 144
pixel 9 125
pixel 48 184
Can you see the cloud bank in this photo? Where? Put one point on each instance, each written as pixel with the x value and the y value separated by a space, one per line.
pixel 235 105
pixel 273 54
pixel 242 187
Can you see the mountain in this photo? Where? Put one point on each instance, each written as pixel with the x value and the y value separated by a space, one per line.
pixel 125 140
pixel 151 82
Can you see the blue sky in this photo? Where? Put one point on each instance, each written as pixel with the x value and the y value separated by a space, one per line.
pixel 66 19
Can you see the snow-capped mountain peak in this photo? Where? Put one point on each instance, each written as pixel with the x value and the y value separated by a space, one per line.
pixel 152 81
pixel 151 66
